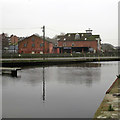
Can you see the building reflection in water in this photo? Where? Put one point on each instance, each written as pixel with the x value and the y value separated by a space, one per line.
pixel 85 73
pixel 84 64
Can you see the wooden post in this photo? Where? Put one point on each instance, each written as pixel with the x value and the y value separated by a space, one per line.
pixel 14 73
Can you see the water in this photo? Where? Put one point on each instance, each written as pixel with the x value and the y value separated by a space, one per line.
pixel 69 91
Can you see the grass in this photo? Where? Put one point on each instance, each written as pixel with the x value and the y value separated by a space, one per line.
pixel 110 108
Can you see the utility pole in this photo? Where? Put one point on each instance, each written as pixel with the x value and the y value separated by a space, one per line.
pixel 14 44
pixel 43 30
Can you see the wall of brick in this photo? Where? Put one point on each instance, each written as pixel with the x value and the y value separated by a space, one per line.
pixel 84 43
pixel 25 46
pixel 14 39
pixel 50 48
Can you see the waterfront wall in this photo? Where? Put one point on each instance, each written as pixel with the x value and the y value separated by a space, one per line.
pixel 109 108
pixel 47 61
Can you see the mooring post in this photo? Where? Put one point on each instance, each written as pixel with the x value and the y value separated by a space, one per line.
pixel 14 73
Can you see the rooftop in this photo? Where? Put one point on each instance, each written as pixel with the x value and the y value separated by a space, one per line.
pixel 78 36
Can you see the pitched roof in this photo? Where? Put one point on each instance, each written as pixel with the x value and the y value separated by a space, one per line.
pixel 77 36
pixel 32 36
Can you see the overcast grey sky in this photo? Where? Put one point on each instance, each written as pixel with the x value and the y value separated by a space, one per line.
pixel 26 17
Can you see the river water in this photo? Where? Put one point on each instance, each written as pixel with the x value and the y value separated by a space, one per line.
pixel 68 91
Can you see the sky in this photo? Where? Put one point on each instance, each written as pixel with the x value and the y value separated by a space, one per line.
pixel 26 17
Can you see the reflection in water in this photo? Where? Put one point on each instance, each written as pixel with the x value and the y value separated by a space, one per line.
pixel 78 75
pixel 82 73
pixel 43 84
pixel 85 64
pixel 74 91
pixel 35 75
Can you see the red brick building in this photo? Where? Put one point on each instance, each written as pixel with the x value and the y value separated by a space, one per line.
pixel 78 42
pixel 34 45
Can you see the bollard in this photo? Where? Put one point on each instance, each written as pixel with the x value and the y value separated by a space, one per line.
pixel 14 73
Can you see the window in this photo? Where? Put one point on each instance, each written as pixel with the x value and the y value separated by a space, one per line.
pixel 64 44
pixel 33 39
pixel 77 36
pixel 72 44
pixel 25 45
pixel 41 45
pixel 33 45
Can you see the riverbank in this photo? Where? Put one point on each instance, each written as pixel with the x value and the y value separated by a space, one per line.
pixel 53 61
pixel 110 106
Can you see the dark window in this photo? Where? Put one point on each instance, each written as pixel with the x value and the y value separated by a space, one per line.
pixel 72 44
pixel 33 45
pixel 33 39
pixel 25 45
pixel 41 45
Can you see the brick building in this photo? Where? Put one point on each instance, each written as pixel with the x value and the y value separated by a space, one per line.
pixel 34 45
pixel 13 39
pixel 78 42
